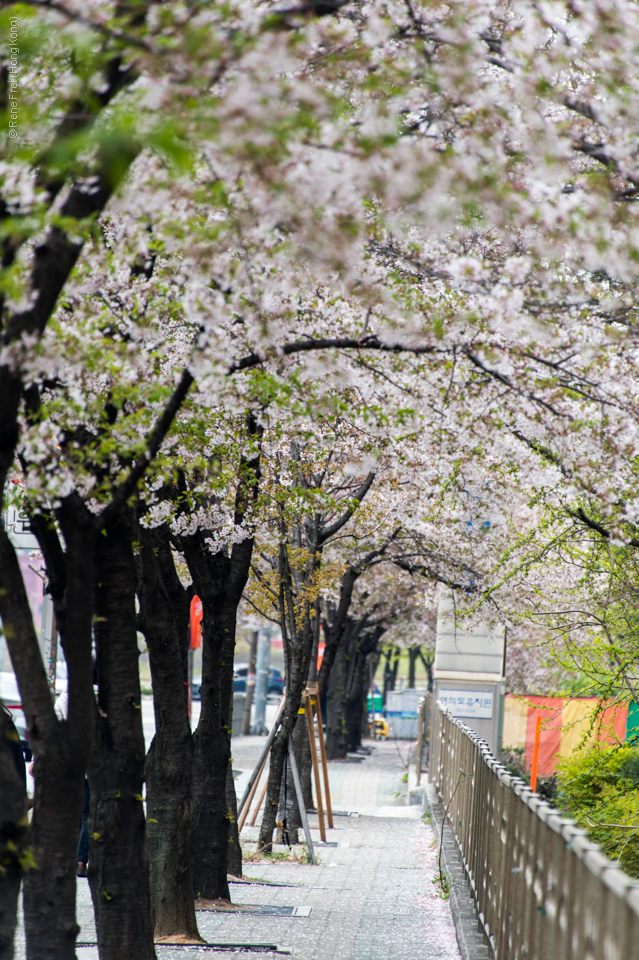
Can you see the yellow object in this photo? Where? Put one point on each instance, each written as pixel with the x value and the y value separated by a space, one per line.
pixel 515 723
pixel 379 728
pixel 576 717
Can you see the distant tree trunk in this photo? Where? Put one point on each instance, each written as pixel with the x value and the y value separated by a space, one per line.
pixel 363 723
pixel 118 864
pixel 428 666
pixel 387 676
pixel 13 834
pixel 353 717
pixel 336 745
pixel 169 762
pixel 390 670
pixel 413 654
pixel 348 690
pixel 335 624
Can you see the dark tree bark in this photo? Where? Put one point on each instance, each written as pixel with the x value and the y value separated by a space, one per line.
pixel 413 654
pixel 428 666
pixel 390 670
pixel 335 718
pixel 234 867
pixel 13 834
pixel 298 645
pixel 305 765
pixel 348 689
pixel 220 589
pixel 294 690
pixel 299 621
pixel 289 812
pixel 118 864
pixel 60 747
pixel 219 580
pixel 334 626
pixel 169 762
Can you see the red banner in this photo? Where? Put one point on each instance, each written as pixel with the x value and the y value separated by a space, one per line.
pixel 196 624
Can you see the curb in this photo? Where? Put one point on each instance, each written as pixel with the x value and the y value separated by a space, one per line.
pixel 472 945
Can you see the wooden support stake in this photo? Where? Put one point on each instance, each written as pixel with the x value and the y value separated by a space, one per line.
pixel 260 763
pixel 300 800
pixel 320 733
pixel 247 806
pixel 535 759
pixel 259 804
pixel 313 746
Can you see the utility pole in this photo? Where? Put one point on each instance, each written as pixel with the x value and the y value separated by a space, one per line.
pixel 261 679
pixel 250 685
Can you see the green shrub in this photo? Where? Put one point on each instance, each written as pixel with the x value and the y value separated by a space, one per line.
pixel 598 787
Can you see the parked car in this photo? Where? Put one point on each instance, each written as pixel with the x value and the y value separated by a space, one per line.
pixel 275 681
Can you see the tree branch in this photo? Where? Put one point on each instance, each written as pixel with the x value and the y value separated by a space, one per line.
pixel 337 525
pixel 162 427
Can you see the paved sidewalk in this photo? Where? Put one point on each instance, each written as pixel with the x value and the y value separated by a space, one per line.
pixel 371 897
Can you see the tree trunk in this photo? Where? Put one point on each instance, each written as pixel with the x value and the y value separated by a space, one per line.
pixel 296 681
pixel 219 581
pixel 234 867
pixel 118 865
pixel 211 740
pixel 305 766
pixel 363 648
pixel 353 722
pixel 335 626
pixel 348 689
pixel 413 654
pixel 13 834
pixel 60 747
pixel 169 762
pixel 335 709
pixel 289 811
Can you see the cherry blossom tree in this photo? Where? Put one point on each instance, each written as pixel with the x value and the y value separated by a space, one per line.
pixel 423 211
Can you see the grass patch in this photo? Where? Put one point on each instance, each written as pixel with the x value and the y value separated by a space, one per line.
pixel 297 854
pixel 444 889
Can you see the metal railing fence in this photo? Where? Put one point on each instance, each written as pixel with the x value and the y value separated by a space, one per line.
pixel 543 890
